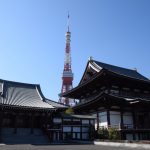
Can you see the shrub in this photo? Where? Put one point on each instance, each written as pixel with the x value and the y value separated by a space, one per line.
pixel 113 134
pixel 103 133
pixel 108 133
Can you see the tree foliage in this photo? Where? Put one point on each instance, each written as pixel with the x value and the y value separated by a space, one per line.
pixel 69 111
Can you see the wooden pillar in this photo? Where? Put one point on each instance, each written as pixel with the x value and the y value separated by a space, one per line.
pixel 81 130
pixel 1 121
pixel 15 122
pixel 134 137
pixel 121 126
pixel 47 118
pixel 139 137
pixel 32 123
pixel 108 117
pixel 72 129
pixel 97 119
pixel 134 113
pixel 121 118
pixel 62 129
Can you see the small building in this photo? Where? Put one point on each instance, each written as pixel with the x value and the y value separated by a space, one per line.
pixel 118 98
pixel 69 127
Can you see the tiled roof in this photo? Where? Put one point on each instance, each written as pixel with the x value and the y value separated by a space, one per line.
pixel 121 71
pixel 78 116
pixel 55 104
pixel 23 94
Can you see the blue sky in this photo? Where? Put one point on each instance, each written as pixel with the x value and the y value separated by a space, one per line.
pixel 32 38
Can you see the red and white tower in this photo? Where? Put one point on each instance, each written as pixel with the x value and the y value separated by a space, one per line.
pixel 67 76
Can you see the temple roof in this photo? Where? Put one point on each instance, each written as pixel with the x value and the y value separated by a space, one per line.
pixel 119 70
pixel 78 116
pixel 95 72
pixel 103 98
pixel 25 95
pixel 55 104
pixel 94 67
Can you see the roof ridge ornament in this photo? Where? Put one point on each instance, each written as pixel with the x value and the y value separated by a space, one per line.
pixel 90 58
pixel 135 69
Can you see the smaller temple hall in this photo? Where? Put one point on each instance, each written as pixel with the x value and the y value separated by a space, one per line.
pixel 26 116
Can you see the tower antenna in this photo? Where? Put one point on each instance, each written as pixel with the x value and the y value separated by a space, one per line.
pixel 68 21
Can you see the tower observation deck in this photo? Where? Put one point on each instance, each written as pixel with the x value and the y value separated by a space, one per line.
pixel 67 76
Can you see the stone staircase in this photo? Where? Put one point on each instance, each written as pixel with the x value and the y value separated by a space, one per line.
pixel 23 136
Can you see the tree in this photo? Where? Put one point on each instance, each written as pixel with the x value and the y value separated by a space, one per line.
pixel 69 111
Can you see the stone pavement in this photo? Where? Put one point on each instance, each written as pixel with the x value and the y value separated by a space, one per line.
pixel 63 147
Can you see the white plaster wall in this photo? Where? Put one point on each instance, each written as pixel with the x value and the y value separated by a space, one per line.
pixel 127 118
pixel 85 121
pixel 103 124
pixel 95 121
pixel 85 129
pixel 66 129
pixel 115 118
pixel 103 119
pixel 76 129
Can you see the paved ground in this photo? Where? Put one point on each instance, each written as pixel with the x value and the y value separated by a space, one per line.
pixel 62 147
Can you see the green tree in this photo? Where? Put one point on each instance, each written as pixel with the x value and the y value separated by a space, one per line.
pixel 69 111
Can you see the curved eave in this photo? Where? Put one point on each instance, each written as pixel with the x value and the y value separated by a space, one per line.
pixel 102 99
pixel 128 77
pixel 84 73
pixel 77 89
pixel 91 64
pixel 16 107
pixel 19 83
pixel 56 104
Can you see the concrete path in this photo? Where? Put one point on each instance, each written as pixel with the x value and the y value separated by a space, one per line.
pixel 127 145
pixel 65 147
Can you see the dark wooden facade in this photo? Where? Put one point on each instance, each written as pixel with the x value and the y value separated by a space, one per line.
pixel 24 108
pixel 66 127
pixel 123 95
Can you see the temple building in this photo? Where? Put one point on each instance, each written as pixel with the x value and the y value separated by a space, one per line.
pixel 24 110
pixel 26 116
pixel 118 97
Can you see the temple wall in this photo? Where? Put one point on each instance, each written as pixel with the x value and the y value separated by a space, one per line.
pixel 115 119
pixel 127 118
pixel 103 119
